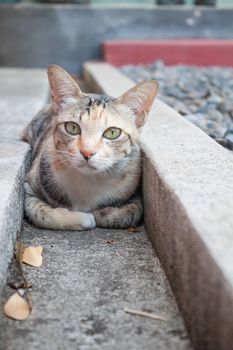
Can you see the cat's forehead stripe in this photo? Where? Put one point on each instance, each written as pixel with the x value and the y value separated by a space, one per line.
pixel 96 101
pixel 99 99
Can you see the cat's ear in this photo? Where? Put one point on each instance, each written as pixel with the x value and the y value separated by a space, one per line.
pixel 140 99
pixel 63 88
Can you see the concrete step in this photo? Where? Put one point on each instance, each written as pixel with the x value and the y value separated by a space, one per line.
pixel 22 93
pixel 80 292
pixel 188 201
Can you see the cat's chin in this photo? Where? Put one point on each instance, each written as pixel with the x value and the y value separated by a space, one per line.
pixel 88 169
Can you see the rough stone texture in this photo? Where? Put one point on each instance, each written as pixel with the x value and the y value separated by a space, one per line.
pixel 69 35
pixel 188 199
pixel 80 292
pixel 22 93
pixel 203 95
pixel 12 170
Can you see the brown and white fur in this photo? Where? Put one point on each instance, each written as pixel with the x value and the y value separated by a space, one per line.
pixel 81 181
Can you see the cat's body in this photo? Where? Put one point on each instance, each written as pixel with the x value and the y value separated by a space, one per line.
pixel 86 164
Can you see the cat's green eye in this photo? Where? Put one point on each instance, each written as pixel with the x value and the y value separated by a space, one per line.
pixel 112 133
pixel 72 128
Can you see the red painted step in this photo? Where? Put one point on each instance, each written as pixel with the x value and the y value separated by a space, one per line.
pixel 202 52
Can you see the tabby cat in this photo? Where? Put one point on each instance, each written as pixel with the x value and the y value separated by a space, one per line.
pixel 86 157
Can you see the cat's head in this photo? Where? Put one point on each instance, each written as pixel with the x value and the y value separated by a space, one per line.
pixel 95 133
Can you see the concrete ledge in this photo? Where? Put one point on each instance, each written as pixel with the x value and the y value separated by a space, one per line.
pixel 188 199
pixel 22 93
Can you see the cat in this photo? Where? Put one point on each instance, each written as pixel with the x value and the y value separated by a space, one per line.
pixel 86 163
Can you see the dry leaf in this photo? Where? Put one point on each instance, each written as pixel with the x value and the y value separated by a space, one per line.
pixel 17 308
pixel 19 253
pixel 132 229
pixel 111 241
pixel 32 256
pixel 20 247
pixel 145 314
pixel 19 284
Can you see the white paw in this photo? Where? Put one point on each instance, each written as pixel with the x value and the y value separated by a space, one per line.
pixel 28 189
pixel 88 221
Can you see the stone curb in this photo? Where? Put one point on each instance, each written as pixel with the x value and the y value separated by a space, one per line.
pixel 188 200
pixel 23 92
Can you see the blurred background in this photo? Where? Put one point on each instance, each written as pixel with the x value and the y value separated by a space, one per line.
pixel 69 32
pixel 132 2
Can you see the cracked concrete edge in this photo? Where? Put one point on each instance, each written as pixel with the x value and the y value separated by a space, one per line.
pixel 188 201
pixel 11 209
pixel 23 92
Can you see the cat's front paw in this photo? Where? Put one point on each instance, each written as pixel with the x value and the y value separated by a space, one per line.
pixel 103 217
pixel 88 221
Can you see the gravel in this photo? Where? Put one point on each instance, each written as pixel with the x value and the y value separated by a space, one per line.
pixel 203 95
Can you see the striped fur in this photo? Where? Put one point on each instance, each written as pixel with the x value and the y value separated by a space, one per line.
pixel 79 181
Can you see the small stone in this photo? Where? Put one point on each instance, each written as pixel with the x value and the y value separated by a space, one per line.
pixel 197 119
pixel 229 138
pixel 222 142
pixel 225 106
pixel 216 116
pixel 157 65
pixel 181 108
pixel 215 99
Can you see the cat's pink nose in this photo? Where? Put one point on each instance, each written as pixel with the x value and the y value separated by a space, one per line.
pixel 87 154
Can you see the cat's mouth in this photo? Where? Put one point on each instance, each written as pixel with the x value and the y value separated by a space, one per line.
pixel 87 166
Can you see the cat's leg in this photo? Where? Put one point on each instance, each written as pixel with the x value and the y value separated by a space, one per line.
pixel 127 215
pixel 43 215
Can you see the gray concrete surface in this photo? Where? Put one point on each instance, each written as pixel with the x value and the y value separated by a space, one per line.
pixel 22 94
pixel 188 200
pixel 80 292
pixel 35 35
